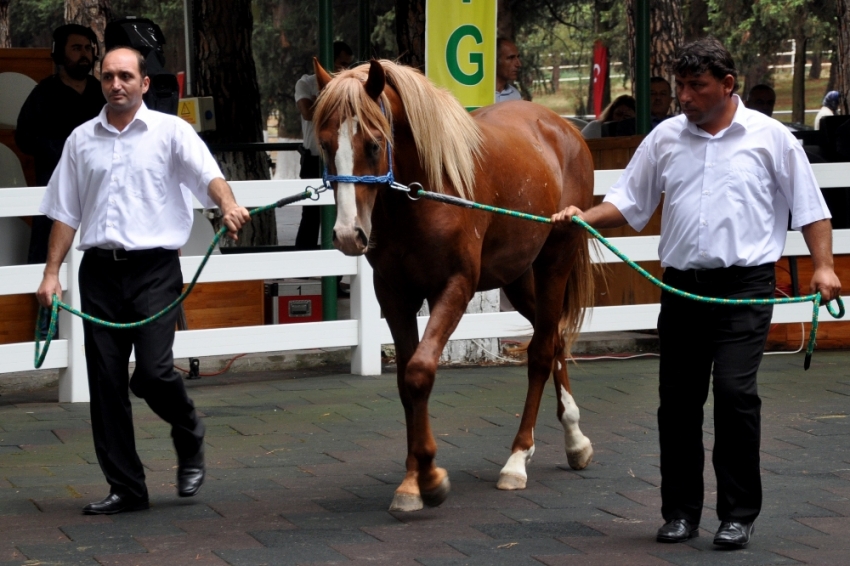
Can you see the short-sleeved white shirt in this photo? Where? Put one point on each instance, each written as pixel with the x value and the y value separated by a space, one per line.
pixel 726 197
pixel 308 87
pixel 131 189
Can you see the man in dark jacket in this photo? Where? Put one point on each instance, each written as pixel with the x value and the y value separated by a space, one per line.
pixel 53 109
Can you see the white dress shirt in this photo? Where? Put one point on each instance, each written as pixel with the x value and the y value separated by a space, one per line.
pixel 727 196
pixel 308 87
pixel 131 189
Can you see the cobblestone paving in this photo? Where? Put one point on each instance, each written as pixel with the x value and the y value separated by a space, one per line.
pixel 302 468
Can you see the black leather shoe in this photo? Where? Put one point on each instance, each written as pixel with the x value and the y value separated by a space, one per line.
pixel 677 530
pixel 190 474
pixel 733 534
pixel 117 503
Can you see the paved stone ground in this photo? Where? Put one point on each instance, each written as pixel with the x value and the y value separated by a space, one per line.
pixel 302 467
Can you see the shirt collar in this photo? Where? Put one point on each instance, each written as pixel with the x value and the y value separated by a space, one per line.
pixel 740 119
pixel 143 115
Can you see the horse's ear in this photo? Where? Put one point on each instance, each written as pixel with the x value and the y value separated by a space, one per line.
pixel 322 76
pixel 375 82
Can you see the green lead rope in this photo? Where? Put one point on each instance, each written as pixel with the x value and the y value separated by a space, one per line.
pixel 53 312
pixel 420 193
pixel 815 298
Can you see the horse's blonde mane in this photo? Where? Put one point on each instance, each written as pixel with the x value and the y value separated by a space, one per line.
pixel 447 138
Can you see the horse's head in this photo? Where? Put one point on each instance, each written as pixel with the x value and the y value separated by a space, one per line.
pixel 354 128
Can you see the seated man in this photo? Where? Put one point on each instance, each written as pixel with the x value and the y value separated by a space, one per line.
pixel 761 98
pixel 660 97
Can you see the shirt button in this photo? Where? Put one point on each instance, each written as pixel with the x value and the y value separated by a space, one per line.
pixel 114 178
pixel 109 224
pixel 111 201
pixel 704 223
pixel 706 192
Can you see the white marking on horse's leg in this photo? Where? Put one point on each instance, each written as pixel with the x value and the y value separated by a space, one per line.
pixel 346 203
pixel 578 447
pixel 513 475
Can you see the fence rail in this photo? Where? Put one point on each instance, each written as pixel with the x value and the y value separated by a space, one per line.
pixel 366 331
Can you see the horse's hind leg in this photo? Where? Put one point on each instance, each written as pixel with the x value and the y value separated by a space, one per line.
pixel 578 447
pixel 541 351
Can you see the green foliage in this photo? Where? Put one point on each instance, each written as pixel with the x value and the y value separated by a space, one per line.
pixel 285 40
pixel 31 22
pixel 549 32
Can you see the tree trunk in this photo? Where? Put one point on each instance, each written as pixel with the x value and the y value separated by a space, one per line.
pixel 505 19
pixel 842 83
pixel 666 34
pixel 817 59
pixel 556 72
pixel 410 32
pixel 798 87
pixel 94 14
pixel 834 69
pixel 5 36
pixel 697 20
pixel 225 71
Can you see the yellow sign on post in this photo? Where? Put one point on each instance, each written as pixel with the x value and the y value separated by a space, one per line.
pixel 460 49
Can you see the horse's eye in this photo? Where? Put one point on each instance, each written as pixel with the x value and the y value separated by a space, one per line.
pixel 374 148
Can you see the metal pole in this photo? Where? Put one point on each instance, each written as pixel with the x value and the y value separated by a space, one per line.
pixel 326 57
pixel 642 65
pixel 365 35
pixel 189 33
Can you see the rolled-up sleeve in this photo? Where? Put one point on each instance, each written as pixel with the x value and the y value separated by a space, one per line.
pixel 636 193
pixel 799 186
pixel 196 165
pixel 62 199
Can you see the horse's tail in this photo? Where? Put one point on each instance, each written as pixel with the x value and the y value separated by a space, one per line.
pixel 580 291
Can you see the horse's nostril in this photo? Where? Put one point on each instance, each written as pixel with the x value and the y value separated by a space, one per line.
pixel 361 235
pixel 334 236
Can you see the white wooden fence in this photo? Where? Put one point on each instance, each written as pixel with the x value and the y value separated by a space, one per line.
pixel 366 331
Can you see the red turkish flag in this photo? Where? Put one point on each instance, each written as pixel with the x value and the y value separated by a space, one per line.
pixel 598 75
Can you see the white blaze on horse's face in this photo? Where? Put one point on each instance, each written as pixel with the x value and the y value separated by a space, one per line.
pixel 352 229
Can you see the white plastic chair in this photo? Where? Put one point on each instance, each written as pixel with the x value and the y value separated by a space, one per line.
pixel 11 173
pixel 14 90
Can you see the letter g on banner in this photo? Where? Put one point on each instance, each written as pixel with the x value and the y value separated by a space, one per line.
pixel 475 58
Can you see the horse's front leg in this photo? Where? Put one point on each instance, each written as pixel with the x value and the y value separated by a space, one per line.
pixel 419 376
pixel 400 312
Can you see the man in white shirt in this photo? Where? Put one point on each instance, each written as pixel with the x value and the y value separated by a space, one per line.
pixel 729 176
pixel 306 91
pixel 119 183
pixel 508 65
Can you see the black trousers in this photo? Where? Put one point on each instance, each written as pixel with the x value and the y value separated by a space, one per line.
pixel 698 340
pixel 308 230
pixel 127 291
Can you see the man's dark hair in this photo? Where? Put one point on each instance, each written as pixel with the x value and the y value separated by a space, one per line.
pixel 762 86
pixel 705 55
pixel 341 47
pixel 61 36
pixel 140 59
pixel 500 41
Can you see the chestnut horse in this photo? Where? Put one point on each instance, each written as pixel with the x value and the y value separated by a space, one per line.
pixel 515 155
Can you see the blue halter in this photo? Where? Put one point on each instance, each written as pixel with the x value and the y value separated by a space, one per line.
pixel 388 179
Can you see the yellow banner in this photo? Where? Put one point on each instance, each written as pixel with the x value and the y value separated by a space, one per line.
pixel 460 48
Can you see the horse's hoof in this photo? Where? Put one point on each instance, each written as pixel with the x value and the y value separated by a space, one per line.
pixel 436 496
pixel 510 482
pixel 579 459
pixel 406 502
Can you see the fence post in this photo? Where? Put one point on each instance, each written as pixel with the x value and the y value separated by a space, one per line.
pixel 366 356
pixel 73 379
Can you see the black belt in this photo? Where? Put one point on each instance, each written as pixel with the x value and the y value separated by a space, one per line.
pixel 121 254
pixel 713 276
